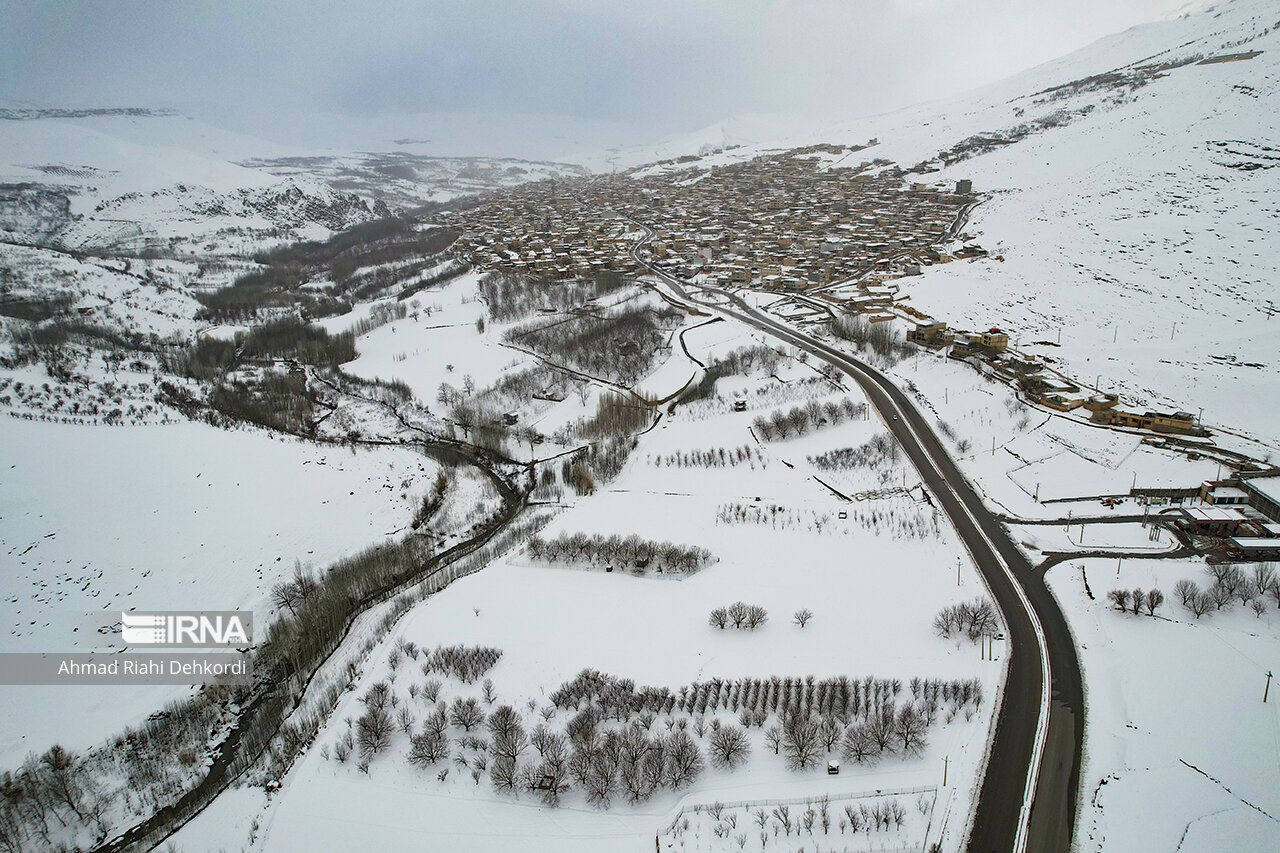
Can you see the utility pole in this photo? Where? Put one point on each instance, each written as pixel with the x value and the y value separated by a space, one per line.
pixel 1175 329
pixel 944 771
pixel 957 571
pixel 1119 560
pixel 1265 691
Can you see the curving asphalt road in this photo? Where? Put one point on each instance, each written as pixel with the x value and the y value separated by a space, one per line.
pixel 1029 794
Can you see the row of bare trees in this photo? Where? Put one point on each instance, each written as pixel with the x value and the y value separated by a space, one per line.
pixel 1230 583
pixel 1136 599
pixel 624 551
pixel 740 615
pixel 800 419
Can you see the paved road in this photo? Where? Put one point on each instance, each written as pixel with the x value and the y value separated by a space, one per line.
pixel 1029 793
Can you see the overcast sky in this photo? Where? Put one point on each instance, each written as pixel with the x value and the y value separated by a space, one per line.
pixel 669 64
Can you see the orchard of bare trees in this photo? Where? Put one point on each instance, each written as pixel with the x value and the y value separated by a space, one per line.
pixel 619 347
pixel 513 296
pixel 610 741
pixel 882 451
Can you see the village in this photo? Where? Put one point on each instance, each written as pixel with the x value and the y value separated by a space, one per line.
pixel 831 238
pixel 794 221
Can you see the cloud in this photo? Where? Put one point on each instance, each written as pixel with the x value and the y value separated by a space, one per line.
pixel 665 63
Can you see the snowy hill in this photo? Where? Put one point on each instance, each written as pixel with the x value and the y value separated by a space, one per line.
pixel 1130 195
pixel 131 180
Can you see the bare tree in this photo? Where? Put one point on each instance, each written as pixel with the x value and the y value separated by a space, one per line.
pixel 773 737
pixel 858 745
pixel 880 726
pixel 910 728
pixel 1199 603
pixel 373 730
pixel 803 616
pixel 405 719
pixel 1139 599
pixel 719 617
pixel 1233 580
pixel 945 622
pixel 504 773
pixel 304 582
pixel 283 594
pixel 59 778
pixel 465 713
pixel 1185 589
pixel 729 746
pixel 377 695
pixel 1220 595
pixel 683 760
pixel 756 616
pixel 1259 607
pixel 782 814
pixel 1264 575
pixel 802 742
pixel 601 780
pixel 1154 599
pixel 1120 598
pixel 503 721
pixel 428 748
pixel 829 732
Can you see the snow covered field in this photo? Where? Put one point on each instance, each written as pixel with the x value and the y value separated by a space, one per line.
pixel 1036 452
pixel 95 520
pixel 1180 752
pixel 433 348
pixel 873 589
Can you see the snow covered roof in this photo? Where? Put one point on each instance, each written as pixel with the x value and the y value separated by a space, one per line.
pixel 1258 544
pixel 1268 487
pixel 1213 513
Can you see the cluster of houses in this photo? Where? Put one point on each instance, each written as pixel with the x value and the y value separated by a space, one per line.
pixel 790 221
pixel 989 352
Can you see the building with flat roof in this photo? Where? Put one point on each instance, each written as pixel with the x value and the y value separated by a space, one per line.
pixel 1242 548
pixel 1263 494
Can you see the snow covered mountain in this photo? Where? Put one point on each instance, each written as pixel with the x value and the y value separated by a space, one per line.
pixel 127 180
